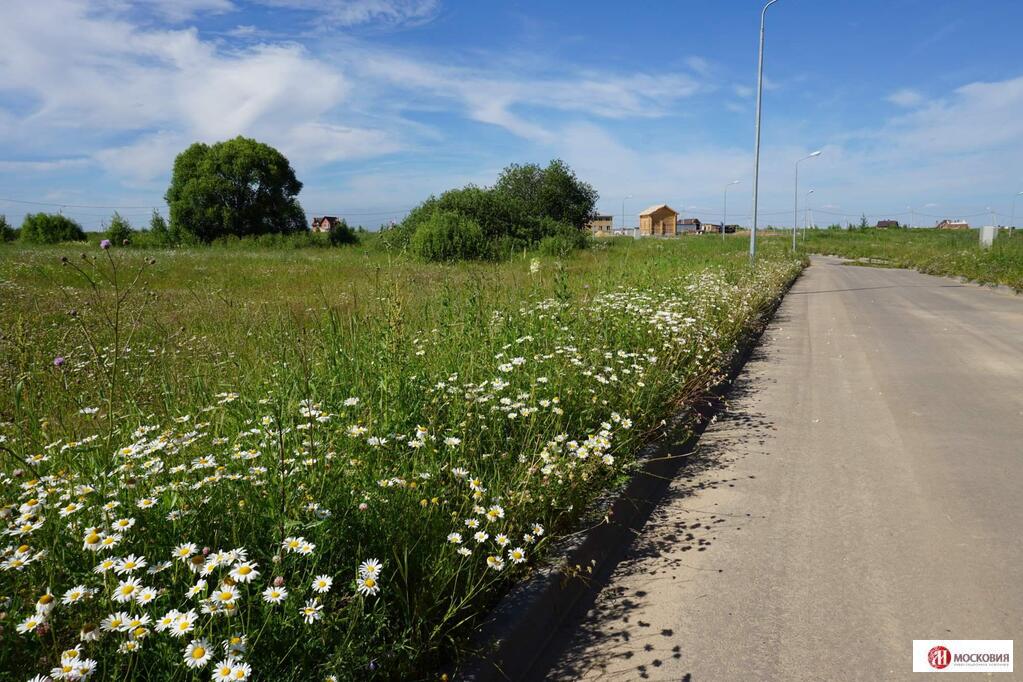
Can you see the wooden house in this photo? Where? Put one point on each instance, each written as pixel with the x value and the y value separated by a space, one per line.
pixel 658 221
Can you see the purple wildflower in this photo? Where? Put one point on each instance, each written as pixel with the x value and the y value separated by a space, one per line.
pixel 58 361
pixel 105 244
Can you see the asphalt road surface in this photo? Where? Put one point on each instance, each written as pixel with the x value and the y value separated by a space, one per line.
pixel 863 489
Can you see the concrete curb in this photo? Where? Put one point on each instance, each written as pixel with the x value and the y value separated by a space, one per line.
pixel 513 638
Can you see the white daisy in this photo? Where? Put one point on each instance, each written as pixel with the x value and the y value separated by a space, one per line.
pixel 197 653
pixel 275 595
pixel 312 611
pixel 322 584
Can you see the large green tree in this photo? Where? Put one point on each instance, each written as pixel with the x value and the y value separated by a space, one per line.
pixel 552 192
pixel 238 187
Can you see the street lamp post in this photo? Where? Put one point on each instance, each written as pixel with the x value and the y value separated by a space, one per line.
pixel 724 211
pixel 808 218
pixel 795 200
pixel 1012 218
pixel 756 152
pixel 627 196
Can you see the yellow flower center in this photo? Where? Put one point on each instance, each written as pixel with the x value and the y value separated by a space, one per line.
pixel 45 599
pixel 33 502
pixel 198 652
pixel 23 549
pixel 244 570
pixel 226 596
pixel 369 582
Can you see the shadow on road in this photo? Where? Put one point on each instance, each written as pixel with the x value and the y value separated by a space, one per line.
pixel 603 638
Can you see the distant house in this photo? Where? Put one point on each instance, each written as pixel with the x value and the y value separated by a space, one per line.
pixel 953 225
pixel 711 228
pixel 688 226
pixel 600 225
pixel 658 221
pixel 324 223
pixel 885 224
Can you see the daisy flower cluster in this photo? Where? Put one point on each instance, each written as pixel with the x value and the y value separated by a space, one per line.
pixel 302 526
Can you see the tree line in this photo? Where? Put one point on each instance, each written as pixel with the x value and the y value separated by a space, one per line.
pixel 244 189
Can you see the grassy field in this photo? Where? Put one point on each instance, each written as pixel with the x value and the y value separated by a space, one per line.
pixel 320 464
pixel 937 252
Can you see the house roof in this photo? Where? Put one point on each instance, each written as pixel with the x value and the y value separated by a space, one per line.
pixel 658 207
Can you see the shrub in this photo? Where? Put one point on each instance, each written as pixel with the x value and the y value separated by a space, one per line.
pixel 119 230
pixel 528 204
pixel 340 234
pixel 552 192
pixel 50 228
pixel 448 236
pixel 7 233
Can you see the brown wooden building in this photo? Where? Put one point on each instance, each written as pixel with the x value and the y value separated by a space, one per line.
pixel 953 225
pixel 658 221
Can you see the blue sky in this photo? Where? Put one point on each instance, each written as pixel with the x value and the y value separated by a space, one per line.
pixel 379 103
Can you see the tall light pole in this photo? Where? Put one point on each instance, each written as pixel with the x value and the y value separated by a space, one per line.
pixel 795 200
pixel 1012 219
pixel 627 196
pixel 809 215
pixel 756 152
pixel 724 210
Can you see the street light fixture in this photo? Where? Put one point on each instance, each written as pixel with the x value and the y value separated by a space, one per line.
pixel 756 152
pixel 724 211
pixel 795 200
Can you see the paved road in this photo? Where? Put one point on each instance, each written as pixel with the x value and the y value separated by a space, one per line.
pixel 866 490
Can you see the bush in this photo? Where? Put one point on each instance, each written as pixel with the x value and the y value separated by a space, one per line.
pixel 553 192
pixel 562 239
pixel 50 228
pixel 119 230
pixel 527 205
pixel 341 235
pixel 448 236
pixel 7 233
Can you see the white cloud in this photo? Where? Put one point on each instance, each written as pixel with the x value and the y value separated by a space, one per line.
pixel 905 98
pixel 497 96
pixel 354 12
pixel 43 166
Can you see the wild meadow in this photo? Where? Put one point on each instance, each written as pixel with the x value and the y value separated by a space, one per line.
pixel 936 252
pixel 225 464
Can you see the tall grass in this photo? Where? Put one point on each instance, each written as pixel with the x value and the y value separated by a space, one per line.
pixel 936 252
pixel 323 464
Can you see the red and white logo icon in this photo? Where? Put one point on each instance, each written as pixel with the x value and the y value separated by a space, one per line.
pixel 939 657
